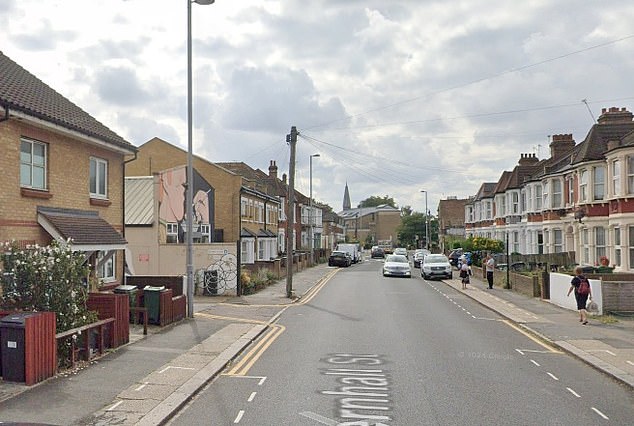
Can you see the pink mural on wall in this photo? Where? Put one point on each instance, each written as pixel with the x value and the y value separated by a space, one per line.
pixel 172 197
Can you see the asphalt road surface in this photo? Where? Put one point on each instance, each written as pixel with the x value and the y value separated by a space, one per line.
pixel 370 350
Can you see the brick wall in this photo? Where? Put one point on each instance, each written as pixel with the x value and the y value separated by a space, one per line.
pixel 618 296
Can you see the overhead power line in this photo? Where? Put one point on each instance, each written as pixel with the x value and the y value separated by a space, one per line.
pixel 459 86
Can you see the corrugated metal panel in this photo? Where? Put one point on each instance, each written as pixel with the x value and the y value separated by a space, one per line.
pixel 139 200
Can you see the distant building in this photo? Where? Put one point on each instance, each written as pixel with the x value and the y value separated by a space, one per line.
pixel 451 226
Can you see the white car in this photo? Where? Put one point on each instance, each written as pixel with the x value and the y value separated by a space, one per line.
pixel 419 255
pixel 396 265
pixel 436 266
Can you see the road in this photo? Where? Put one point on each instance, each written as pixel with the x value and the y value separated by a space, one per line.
pixel 369 350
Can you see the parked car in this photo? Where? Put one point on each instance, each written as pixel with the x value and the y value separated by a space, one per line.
pixel 419 255
pixel 396 265
pixel 401 251
pixel 339 258
pixel 377 252
pixel 436 266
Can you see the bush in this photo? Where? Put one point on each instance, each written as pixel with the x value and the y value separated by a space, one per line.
pixel 47 278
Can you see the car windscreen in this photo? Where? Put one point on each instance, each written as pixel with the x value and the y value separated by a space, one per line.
pixel 430 258
pixel 396 258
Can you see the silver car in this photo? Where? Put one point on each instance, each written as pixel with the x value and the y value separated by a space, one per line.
pixel 436 266
pixel 396 265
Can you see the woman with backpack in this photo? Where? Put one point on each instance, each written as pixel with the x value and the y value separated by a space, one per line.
pixel 581 287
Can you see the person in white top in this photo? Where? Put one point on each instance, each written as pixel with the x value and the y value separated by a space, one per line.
pixel 490 267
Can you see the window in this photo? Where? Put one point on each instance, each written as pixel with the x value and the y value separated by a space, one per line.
pixel 171 232
pixel 204 229
pixel 583 185
pixel 523 201
pixel 502 211
pixel 630 243
pixel 515 203
pixel 630 174
pixel 247 250
pixel 106 270
pixel 571 191
pixel 557 193
pixel 32 164
pixel 488 208
pixel 262 249
pixel 545 198
pixel 599 242
pixel 98 178
pixel 599 183
pixel 558 241
pixel 617 246
pixel 586 249
pixel 516 241
pixel 616 178
pixel 529 198
pixel 538 197
pixel 244 207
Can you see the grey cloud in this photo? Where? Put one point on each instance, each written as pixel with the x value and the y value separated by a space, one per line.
pixel 121 86
pixel 273 99
pixel 43 38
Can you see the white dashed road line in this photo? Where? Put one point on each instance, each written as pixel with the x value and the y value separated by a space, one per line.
pixel 600 413
pixel 574 393
pixel 552 375
pixel 239 416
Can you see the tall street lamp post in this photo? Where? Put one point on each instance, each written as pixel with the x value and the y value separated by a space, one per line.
pixel 189 199
pixel 310 211
pixel 426 221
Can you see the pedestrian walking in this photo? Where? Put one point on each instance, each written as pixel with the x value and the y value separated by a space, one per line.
pixel 490 267
pixel 581 286
pixel 465 271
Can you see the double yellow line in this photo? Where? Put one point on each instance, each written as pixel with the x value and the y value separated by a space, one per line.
pixel 245 364
pixel 251 357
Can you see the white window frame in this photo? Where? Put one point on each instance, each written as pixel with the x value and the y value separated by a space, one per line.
pixel 571 191
pixel 615 165
pixel 583 185
pixel 538 197
pixel 585 245
pixel 598 184
pixel 599 242
pixel 515 203
pixel 617 246
pixel 558 241
pixel 107 272
pixel 545 195
pixel 98 179
pixel 171 233
pixel 630 174
pixel 247 251
pixel 33 166
pixel 557 194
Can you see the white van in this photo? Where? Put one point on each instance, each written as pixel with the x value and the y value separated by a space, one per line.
pixel 352 249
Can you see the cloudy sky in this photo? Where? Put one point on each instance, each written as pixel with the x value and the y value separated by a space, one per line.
pixel 395 96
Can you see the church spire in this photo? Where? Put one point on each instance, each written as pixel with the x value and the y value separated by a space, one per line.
pixel 346 199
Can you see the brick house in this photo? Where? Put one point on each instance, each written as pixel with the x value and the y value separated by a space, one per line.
pixel 451 225
pixel 236 210
pixel 577 200
pixel 62 173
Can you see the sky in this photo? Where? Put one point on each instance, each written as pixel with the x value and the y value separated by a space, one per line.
pixel 396 97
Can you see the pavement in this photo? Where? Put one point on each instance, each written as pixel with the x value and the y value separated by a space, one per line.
pixel 142 390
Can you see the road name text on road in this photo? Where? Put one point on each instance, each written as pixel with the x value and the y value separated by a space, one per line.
pixel 364 391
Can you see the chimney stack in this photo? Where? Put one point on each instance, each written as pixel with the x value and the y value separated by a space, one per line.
pixel 284 178
pixel 561 144
pixel 528 159
pixel 273 169
pixel 615 115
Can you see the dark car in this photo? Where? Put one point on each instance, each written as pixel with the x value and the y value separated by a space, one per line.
pixel 339 258
pixel 377 252
pixel 454 257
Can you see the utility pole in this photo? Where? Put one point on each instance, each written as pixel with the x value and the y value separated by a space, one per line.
pixel 291 139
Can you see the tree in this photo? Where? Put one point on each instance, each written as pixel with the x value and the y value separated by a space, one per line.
pixel 406 210
pixel 375 201
pixel 411 229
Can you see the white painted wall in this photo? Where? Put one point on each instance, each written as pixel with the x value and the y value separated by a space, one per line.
pixel 559 285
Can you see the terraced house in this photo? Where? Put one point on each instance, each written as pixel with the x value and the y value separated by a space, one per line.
pixel 580 199
pixel 62 173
